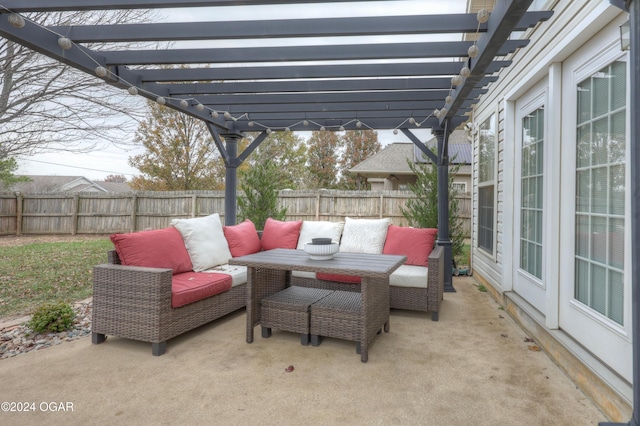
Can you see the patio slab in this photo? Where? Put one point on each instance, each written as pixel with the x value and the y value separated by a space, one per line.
pixel 471 367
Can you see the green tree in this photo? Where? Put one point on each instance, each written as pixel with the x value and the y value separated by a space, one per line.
pixel 422 211
pixel 358 145
pixel 288 152
pixel 322 156
pixel 8 166
pixel 180 153
pixel 260 185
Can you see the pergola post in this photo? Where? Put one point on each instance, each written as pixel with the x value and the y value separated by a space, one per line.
pixel 442 136
pixel 231 178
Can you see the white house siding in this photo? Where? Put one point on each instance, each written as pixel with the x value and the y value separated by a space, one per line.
pixel 576 27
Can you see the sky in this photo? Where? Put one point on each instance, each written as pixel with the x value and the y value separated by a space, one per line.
pixel 109 159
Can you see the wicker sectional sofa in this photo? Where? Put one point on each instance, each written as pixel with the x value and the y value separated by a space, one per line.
pixel 159 284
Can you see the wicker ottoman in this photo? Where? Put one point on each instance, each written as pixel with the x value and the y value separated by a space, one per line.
pixel 288 310
pixel 337 315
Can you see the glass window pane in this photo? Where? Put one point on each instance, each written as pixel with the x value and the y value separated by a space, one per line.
pixel 616 196
pixel 599 190
pixel 583 193
pixel 538 266
pixel 600 98
pixel 618 137
pixel 599 239
pixel 582 281
pixel 616 243
pixel 540 155
pixel 618 85
pixel 584 101
pixel 584 146
pixel 485 218
pixel 583 236
pixel 599 142
pixel 616 296
pixel 598 289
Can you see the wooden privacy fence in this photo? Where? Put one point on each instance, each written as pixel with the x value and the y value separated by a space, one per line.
pixel 99 213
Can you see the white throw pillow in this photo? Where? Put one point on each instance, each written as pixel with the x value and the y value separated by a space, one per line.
pixel 364 235
pixel 319 229
pixel 204 239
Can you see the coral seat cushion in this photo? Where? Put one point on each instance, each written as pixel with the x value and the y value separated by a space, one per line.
pixel 242 238
pixel 277 234
pixel 190 287
pixel 158 248
pixel 349 279
pixel 415 243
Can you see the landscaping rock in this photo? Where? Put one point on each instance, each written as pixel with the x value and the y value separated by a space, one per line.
pixel 18 339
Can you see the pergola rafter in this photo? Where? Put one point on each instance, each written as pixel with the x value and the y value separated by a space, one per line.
pixel 292 74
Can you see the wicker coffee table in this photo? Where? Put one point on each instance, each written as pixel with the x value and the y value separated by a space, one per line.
pixel 288 310
pixel 269 272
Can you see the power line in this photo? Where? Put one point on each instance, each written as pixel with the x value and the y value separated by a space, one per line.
pixel 76 167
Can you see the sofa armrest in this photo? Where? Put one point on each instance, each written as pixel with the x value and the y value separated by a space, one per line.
pixel 435 285
pixel 131 301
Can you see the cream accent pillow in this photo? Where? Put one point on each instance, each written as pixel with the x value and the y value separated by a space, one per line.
pixel 364 235
pixel 204 239
pixel 319 229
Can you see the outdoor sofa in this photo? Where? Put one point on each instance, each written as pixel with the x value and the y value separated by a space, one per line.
pixel 160 283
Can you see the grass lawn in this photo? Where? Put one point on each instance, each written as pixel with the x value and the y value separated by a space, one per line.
pixel 38 272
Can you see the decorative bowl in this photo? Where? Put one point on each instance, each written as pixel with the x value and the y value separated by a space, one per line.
pixel 321 251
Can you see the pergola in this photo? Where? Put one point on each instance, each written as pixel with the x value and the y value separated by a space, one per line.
pixel 330 85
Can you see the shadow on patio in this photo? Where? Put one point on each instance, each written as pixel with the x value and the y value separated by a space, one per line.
pixel 472 367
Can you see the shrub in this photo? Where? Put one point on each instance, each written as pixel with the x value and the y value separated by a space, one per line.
pixel 260 185
pixel 422 211
pixel 52 317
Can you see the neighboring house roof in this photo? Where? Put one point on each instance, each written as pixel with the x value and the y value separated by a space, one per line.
pixel 114 186
pixel 43 183
pixel 393 158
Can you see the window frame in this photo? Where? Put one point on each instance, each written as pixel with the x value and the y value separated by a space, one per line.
pixel 489 183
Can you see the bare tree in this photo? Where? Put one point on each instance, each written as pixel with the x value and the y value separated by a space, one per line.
pixel 47 106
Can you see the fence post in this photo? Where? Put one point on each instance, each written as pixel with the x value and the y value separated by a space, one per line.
pixel 134 212
pixel 18 213
pixel 318 205
pixel 75 206
pixel 381 204
pixel 194 202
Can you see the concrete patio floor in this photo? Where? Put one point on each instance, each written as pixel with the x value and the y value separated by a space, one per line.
pixel 471 367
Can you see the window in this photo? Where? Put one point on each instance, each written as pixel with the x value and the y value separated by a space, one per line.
pixel 459 187
pixel 531 189
pixel 600 189
pixel 486 183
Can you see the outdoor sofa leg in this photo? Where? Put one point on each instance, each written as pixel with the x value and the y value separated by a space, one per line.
pixel 315 340
pixel 97 338
pixel 158 348
pixel 434 316
pixel 266 332
pixel 304 339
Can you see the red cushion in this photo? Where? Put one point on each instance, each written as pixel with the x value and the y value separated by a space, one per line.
pixel 242 238
pixel 190 287
pixel 350 279
pixel 158 248
pixel 415 243
pixel 277 234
